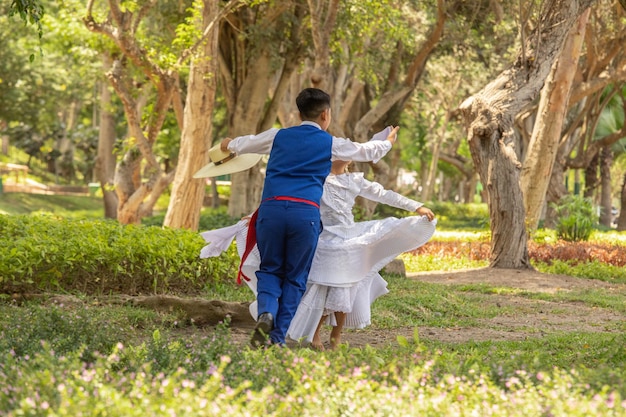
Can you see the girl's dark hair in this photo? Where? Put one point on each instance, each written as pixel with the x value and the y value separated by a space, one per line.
pixel 312 102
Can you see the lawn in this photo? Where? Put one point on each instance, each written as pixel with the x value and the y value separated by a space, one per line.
pixel 72 353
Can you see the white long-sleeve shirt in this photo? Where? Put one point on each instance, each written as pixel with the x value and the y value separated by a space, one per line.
pixel 342 149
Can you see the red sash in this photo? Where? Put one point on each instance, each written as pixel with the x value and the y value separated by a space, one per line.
pixel 251 236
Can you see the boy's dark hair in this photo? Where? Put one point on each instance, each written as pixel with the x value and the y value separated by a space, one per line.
pixel 312 102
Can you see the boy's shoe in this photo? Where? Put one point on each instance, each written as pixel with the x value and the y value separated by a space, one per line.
pixel 261 333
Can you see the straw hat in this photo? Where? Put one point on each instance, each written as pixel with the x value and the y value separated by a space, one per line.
pixel 223 163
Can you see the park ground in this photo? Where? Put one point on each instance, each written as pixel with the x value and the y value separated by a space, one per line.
pixel 522 317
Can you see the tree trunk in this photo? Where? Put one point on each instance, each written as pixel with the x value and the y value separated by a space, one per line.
pixel 543 147
pixel 247 186
pixel 254 81
pixel 606 203
pixel 64 165
pixel 429 187
pixel 498 168
pixel 591 176
pixel 4 145
pixel 323 18
pixel 105 159
pixel 556 190
pixel 621 219
pixel 188 193
pixel 489 116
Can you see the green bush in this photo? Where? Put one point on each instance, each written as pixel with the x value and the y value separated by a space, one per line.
pixel 452 215
pixel 102 256
pixel 575 218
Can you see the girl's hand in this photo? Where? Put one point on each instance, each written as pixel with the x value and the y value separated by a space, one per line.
pixel 425 211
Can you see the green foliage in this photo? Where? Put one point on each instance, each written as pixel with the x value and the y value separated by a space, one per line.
pixel 457 216
pixel 68 359
pixel 31 12
pixel 52 97
pixel 67 328
pixel 98 256
pixel 427 262
pixel 209 219
pixel 575 218
pixel 586 352
pixel 206 379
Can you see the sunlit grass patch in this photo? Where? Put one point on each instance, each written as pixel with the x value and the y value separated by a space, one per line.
pixel 423 263
pixel 489 289
pixel 590 270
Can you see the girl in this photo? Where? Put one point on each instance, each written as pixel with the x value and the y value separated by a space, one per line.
pixel 344 278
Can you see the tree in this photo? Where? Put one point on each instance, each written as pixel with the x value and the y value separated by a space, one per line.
pixel 366 103
pixel 30 11
pixel 187 192
pixel 601 69
pixel 148 85
pixel 489 117
pixel 543 147
pixel 478 40
pixel 260 47
pixel 51 98
pixel 621 219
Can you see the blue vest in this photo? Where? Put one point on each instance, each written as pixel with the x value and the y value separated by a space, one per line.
pixel 299 163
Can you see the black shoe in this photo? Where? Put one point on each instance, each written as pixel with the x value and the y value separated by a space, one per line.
pixel 261 333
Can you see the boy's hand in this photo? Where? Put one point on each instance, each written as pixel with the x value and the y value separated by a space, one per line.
pixel 425 211
pixel 224 144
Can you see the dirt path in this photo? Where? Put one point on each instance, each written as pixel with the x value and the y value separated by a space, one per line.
pixel 522 317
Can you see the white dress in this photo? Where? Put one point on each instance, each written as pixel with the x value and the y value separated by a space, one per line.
pixel 344 274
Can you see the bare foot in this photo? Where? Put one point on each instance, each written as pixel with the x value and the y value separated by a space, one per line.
pixel 334 342
pixel 318 346
pixel 316 343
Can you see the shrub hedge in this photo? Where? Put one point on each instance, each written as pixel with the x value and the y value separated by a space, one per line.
pixel 47 253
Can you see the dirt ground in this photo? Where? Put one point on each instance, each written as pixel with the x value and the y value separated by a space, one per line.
pixel 531 318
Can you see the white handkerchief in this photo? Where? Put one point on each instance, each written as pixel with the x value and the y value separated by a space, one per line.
pixel 382 135
pixel 219 240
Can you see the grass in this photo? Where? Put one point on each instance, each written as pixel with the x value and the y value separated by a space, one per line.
pixel 92 358
pixel 76 359
pixel 67 206
pixel 414 303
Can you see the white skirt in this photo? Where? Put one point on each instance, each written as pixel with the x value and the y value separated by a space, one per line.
pixel 322 300
pixel 346 255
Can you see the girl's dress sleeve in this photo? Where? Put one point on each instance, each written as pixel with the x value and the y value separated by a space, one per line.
pixel 376 192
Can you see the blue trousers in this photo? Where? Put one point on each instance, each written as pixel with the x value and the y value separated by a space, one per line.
pixel 287 233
